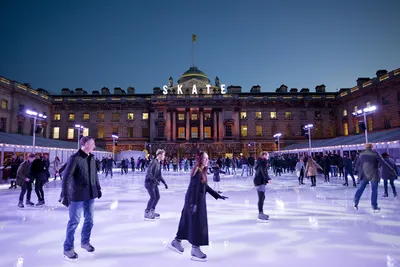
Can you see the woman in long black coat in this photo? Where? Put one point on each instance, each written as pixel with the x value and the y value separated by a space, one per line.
pixel 387 175
pixel 193 225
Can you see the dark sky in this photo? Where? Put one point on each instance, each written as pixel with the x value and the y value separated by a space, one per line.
pixel 91 44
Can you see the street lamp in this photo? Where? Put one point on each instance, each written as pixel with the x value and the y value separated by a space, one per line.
pixel 114 136
pixel 309 127
pixel 364 112
pixel 79 127
pixel 34 114
pixel 278 135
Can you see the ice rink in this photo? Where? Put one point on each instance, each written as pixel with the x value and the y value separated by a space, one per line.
pixel 308 226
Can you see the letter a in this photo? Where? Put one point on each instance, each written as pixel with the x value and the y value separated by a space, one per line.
pixel 194 90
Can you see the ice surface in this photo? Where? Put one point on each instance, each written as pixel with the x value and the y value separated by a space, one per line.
pixel 308 226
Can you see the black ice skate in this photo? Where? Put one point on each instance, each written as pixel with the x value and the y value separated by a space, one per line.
pixel 198 255
pixel 20 205
pixel 40 203
pixel 176 246
pixel 264 218
pixel 70 255
pixel 88 247
pixel 29 203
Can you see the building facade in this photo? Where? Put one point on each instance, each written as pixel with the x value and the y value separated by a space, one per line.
pixel 196 115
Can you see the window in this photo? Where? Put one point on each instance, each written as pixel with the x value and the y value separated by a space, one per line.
pixel 243 131
pixel 194 117
pixel 355 108
pixel 115 130
pixel 3 125
pixel 71 116
pixel 228 130
pixel 160 130
pixel 100 116
pixel 344 112
pixel 70 134
pixel 56 132
pixel 4 104
pixel 161 115
pixel 243 115
pixel 273 115
pixel 368 104
pixel 86 117
pixel 145 132
pixel 258 130
pixel 57 116
pixel 194 132
pixel 115 116
pixel 100 132
pixel 20 127
pixel 207 132
pixel 21 108
pixel 145 116
pixel 258 115
pixel 356 126
pixel 181 132
pixel 288 115
pixel 130 132
pixel 181 116
pixel 303 115
pixel 130 116
pixel 85 132
pixel 386 121
pixel 207 116
pixel 345 128
pixel 369 120
pixel 317 114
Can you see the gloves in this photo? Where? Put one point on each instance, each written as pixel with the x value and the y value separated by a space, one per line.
pixel 223 197
pixel 193 209
pixel 99 194
pixel 65 201
pixel 166 186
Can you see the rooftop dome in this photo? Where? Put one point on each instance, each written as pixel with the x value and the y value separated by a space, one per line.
pixel 195 73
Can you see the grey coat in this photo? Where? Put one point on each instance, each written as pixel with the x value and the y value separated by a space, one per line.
pixel 386 172
pixel 368 164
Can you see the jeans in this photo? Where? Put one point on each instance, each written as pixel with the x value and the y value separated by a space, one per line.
pixel 109 170
pixel 39 189
pixel 385 184
pixel 154 196
pixel 245 168
pixel 26 188
pixel 75 213
pixel 374 193
pixel 351 175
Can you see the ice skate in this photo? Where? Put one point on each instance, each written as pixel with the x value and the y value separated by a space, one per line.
pixel 29 203
pixel 198 255
pixel 155 214
pixel 176 246
pixel 40 203
pixel 376 210
pixel 70 255
pixel 20 205
pixel 88 247
pixel 264 218
pixel 355 206
pixel 148 216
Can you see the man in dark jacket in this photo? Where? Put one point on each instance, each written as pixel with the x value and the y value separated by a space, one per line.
pixel 38 173
pixel 151 182
pixel 80 187
pixel 24 181
pixel 261 178
pixel 367 165
pixel 348 170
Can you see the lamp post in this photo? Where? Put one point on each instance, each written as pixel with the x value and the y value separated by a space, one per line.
pixel 34 114
pixel 308 127
pixel 79 127
pixel 278 135
pixel 114 136
pixel 364 112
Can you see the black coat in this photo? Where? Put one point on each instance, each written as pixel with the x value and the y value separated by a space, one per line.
pixel 194 228
pixel 261 177
pixel 80 183
pixel 37 170
pixel 216 171
pixel 386 173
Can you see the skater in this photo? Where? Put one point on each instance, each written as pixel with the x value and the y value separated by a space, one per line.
pixel 216 170
pixel 367 166
pixel 311 170
pixel 24 181
pixel 261 179
pixel 300 170
pixel 348 170
pixel 80 187
pixel 387 175
pixel 110 162
pixel 193 225
pixel 56 168
pixel 38 172
pixel 152 180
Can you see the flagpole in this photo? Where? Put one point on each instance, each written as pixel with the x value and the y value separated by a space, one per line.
pixel 192 52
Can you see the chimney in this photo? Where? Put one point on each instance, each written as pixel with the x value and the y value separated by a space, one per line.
pixel 380 73
pixel 105 91
pixel 255 89
pixel 232 89
pixel 79 91
pixel 362 80
pixel 320 88
pixel 65 91
pixel 95 92
pixel 157 91
pixel 117 91
pixel 131 90
pixel 282 89
pixel 294 90
pixel 304 90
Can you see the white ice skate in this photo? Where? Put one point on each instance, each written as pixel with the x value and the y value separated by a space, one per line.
pixel 149 216
pixel 263 218
pixel 176 246
pixel 198 255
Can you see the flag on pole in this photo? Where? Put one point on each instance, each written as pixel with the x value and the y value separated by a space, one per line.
pixel 194 37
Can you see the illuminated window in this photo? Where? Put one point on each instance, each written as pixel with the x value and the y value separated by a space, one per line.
pixel 181 132
pixel 258 115
pixel 56 132
pixel 243 115
pixel 228 130
pixel 100 132
pixel 130 116
pixel 355 108
pixel 85 132
pixel 207 116
pixel 57 117
pixel 368 104
pixel 130 132
pixel 345 128
pixel 345 112
pixel 207 132
pixel 357 126
pixel 71 116
pixel 369 120
pixel 273 114
pixel 115 130
pixel 194 132
pixel 86 117
pixel 243 131
pixel 288 115
pixel 115 116
pixel 194 117
pixel 258 130
pixel 145 116
pixel 100 116
pixel 70 134
pixel 181 117
pixel 4 104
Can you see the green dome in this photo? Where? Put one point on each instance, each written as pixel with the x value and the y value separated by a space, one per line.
pixel 195 73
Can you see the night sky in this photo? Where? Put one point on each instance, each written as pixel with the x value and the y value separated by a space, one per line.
pixel 54 44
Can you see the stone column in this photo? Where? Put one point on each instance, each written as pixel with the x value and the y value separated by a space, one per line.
pixel 237 125
pixel 215 128
pixel 152 126
pixel 187 124
pixel 174 126
pixel 220 126
pixel 201 124
pixel 168 125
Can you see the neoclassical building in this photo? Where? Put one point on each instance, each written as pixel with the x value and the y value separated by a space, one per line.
pixel 195 113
